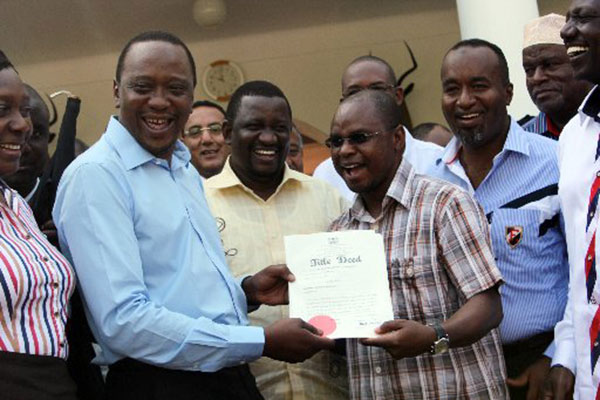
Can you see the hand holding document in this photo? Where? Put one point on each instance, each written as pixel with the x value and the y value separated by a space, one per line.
pixel 341 282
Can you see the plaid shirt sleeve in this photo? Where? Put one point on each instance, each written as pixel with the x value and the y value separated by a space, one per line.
pixel 464 239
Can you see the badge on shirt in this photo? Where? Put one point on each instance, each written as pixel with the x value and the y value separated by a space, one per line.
pixel 514 235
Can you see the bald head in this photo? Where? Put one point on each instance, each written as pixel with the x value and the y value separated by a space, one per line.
pixel 384 106
pixel 370 72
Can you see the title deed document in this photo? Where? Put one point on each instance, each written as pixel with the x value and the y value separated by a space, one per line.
pixel 341 282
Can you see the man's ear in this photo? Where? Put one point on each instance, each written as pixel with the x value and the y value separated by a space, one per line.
pixel 227 128
pixel 399 138
pixel 399 92
pixel 509 93
pixel 116 93
pixel 51 137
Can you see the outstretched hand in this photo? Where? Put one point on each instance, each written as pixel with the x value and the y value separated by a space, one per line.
pixel 403 338
pixel 293 340
pixel 268 286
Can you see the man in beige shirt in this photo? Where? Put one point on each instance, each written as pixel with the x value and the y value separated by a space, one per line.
pixel 257 200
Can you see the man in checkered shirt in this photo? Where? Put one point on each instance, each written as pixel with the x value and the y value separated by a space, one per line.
pixel 442 343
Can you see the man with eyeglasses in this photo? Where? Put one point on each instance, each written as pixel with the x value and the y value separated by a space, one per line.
pixel 370 72
pixel 443 279
pixel 513 174
pixel 257 200
pixel 203 135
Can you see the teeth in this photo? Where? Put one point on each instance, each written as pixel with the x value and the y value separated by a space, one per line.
pixel 10 146
pixel 158 122
pixel 265 152
pixel 350 166
pixel 469 116
pixel 575 50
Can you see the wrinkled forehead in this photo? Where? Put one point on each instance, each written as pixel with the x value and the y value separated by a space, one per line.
pixel 150 57
pixel 258 106
pixel 365 73
pixel 470 62
pixel 582 5
pixel 356 113
pixel 543 52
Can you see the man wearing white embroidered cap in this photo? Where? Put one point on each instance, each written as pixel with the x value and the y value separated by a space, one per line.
pixel 549 76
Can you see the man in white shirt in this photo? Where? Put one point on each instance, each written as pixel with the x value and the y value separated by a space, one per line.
pixel 577 337
pixel 370 72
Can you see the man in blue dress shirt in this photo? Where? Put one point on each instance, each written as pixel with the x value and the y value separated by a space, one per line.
pixel 513 174
pixel 131 216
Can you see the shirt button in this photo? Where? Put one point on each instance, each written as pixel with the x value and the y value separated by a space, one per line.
pixel 589 258
pixel 409 272
pixel 598 174
pixel 378 370
pixel 55 285
pixel 45 259
pixel 27 236
pixel 595 344
pixel 56 314
pixel 62 344
pixel 591 214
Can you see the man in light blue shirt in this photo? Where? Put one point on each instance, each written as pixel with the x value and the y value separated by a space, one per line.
pixel 132 218
pixel 513 174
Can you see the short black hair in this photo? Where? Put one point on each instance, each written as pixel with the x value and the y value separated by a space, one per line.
pixel 388 67
pixel 253 88
pixel 154 36
pixel 5 62
pixel 208 103
pixel 474 43
pixel 384 104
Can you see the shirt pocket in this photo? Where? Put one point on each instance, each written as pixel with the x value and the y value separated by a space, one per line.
pixel 415 289
pixel 516 231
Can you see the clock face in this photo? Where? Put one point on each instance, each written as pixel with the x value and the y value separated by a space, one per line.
pixel 221 79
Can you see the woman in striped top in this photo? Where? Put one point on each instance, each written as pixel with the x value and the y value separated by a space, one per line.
pixel 36 281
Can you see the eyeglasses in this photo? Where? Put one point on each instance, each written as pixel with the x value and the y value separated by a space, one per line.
pixel 382 87
pixel 214 129
pixel 356 138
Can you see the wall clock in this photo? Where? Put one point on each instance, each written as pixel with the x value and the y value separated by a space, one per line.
pixel 221 78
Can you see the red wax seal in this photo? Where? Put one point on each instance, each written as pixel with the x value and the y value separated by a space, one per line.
pixel 324 323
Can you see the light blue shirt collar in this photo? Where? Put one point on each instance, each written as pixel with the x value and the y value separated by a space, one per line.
pixel 134 155
pixel 515 141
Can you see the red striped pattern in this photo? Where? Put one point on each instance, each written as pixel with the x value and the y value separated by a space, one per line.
pixel 36 282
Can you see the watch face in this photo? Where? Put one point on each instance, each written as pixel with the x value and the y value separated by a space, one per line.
pixel 221 79
pixel 441 346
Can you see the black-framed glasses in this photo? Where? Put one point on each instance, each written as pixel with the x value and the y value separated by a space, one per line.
pixel 214 129
pixel 356 138
pixel 382 87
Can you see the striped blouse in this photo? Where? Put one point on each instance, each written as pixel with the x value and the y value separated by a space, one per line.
pixel 36 282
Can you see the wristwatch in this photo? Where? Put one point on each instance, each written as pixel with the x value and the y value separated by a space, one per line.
pixel 442 342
